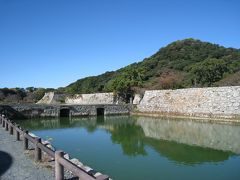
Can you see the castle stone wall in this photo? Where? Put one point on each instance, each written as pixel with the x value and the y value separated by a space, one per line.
pixel 97 98
pixel 207 102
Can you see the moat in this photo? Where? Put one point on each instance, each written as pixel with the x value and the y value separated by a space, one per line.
pixel 133 147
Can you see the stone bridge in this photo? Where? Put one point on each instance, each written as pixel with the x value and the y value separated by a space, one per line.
pixel 64 110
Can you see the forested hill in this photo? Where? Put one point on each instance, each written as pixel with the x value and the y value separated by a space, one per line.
pixel 181 64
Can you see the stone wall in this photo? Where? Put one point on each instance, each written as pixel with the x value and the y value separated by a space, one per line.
pixel 137 99
pixel 97 98
pixel 207 102
pixel 91 110
pixel 52 98
pixel 47 98
pixel 37 110
pixel 40 110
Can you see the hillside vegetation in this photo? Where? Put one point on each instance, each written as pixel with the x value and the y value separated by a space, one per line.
pixel 181 64
pixel 21 95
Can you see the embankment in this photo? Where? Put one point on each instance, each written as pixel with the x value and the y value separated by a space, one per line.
pixel 216 102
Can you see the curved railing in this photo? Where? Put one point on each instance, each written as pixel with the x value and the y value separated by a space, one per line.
pixel 60 161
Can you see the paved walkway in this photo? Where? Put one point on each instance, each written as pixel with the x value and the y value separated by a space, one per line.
pixel 15 165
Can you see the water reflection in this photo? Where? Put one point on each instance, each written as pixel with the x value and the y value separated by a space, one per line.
pixel 130 137
pixel 211 135
pixel 182 141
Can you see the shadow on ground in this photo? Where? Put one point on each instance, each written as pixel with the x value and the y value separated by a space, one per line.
pixel 5 162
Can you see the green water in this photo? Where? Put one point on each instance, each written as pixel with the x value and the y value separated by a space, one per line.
pixel 146 148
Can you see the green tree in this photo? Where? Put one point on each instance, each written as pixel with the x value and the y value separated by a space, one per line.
pixel 39 93
pixel 31 89
pixel 209 71
pixel 123 85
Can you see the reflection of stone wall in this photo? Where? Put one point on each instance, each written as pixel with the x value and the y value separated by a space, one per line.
pixel 210 102
pixel 97 98
pixel 217 136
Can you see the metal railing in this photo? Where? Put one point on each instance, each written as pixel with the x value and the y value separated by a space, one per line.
pixel 60 161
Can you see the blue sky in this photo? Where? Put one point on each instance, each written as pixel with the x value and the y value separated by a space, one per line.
pixel 51 43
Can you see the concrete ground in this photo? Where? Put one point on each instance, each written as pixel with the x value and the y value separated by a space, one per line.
pixel 15 164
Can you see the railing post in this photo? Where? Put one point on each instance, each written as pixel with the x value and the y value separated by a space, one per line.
pixel 3 123
pixel 38 152
pixel 6 125
pixel 25 140
pixel 18 134
pixel 11 129
pixel 59 169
